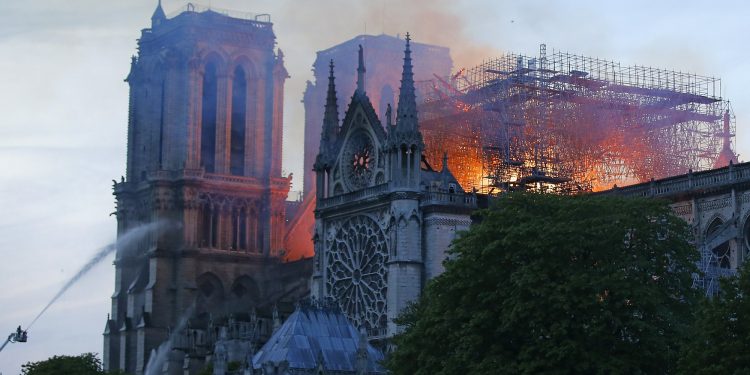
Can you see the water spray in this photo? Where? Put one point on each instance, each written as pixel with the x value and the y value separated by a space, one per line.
pixel 135 234
pixel 160 354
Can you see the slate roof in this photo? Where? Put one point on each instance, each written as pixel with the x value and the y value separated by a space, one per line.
pixel 311 334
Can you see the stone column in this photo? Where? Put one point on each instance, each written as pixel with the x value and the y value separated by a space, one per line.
pixel 194 110
pixel 223 121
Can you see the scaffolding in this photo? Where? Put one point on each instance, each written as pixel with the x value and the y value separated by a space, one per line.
pixel 567 123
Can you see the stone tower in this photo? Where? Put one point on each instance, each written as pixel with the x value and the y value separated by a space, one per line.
pixel 381 85
pixel 204 153
pixel 384 218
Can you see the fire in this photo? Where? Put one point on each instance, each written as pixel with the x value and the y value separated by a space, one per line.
pixel 556 123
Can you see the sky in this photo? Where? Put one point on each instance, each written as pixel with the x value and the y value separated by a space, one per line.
pixel 64 111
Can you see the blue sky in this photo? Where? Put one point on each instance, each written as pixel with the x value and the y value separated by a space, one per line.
pixel 64 102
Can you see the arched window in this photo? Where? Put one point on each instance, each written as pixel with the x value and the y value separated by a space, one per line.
pixel 239 229
pixel 239 116
pixel 721 253
pixel 209 227
pixel 246 287
pixel 210 296
pixel 208 119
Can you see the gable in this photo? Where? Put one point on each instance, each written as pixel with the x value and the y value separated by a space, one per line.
pixel 359 161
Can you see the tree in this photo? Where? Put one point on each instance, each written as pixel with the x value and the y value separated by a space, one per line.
pixel 720 340
pixel 552 284
pixel 84 364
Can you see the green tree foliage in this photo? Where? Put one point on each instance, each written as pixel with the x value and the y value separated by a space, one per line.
pixel 720 343
pixel 552 284
pixel 84 364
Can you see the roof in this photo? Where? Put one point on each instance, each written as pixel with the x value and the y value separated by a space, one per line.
pixel 444 176
pixel 313 334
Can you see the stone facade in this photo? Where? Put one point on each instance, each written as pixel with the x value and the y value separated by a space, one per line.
pixel 381 84
pixel 384 217
pixel 716 204
pixel 382 81
pixel 204 154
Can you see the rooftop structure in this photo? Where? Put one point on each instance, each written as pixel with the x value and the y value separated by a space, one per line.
pixel 317 340
pixel 568 123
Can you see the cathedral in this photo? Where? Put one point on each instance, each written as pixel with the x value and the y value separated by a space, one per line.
pixel 204 154
pixel 384 217
pixel 382 82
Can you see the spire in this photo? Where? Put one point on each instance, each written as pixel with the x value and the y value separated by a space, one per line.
pixel 158 15
pixel 445 161
pixel 331 116
pixel 406 116
pixel 726 156
pixel 361 72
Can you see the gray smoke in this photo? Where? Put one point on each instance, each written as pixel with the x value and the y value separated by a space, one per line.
pixel 124 242
pixel 156 360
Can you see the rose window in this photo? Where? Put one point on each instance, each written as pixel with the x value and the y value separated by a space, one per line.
pixel 357 274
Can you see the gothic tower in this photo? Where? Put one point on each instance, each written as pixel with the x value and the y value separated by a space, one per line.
pixel 384 218
pixel 204 154
pixel 382 88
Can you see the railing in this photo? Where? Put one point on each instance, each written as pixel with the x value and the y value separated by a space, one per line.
pixel 687 182
pixel 192 174
pixel 353 196
pixel 436 198
pixel 234 179
pixel 428 198
pixel 175 175
pixel 200 8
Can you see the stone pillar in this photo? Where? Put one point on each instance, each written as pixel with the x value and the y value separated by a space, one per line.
pixel 223 122
pixel 406 267
pixel 194 110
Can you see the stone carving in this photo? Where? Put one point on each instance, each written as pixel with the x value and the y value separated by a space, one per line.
pixel 357 272
pixel 359 161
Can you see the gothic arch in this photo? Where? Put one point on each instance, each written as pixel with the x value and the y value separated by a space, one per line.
pixel 244 294
pixel 215 57
pixel 209 285
pixel 247 65
pixel 210 294
pixel 722 254
pixel 245 287
pixel 238 121
pixel 209 123
pixel 414 216
pixel 713 223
